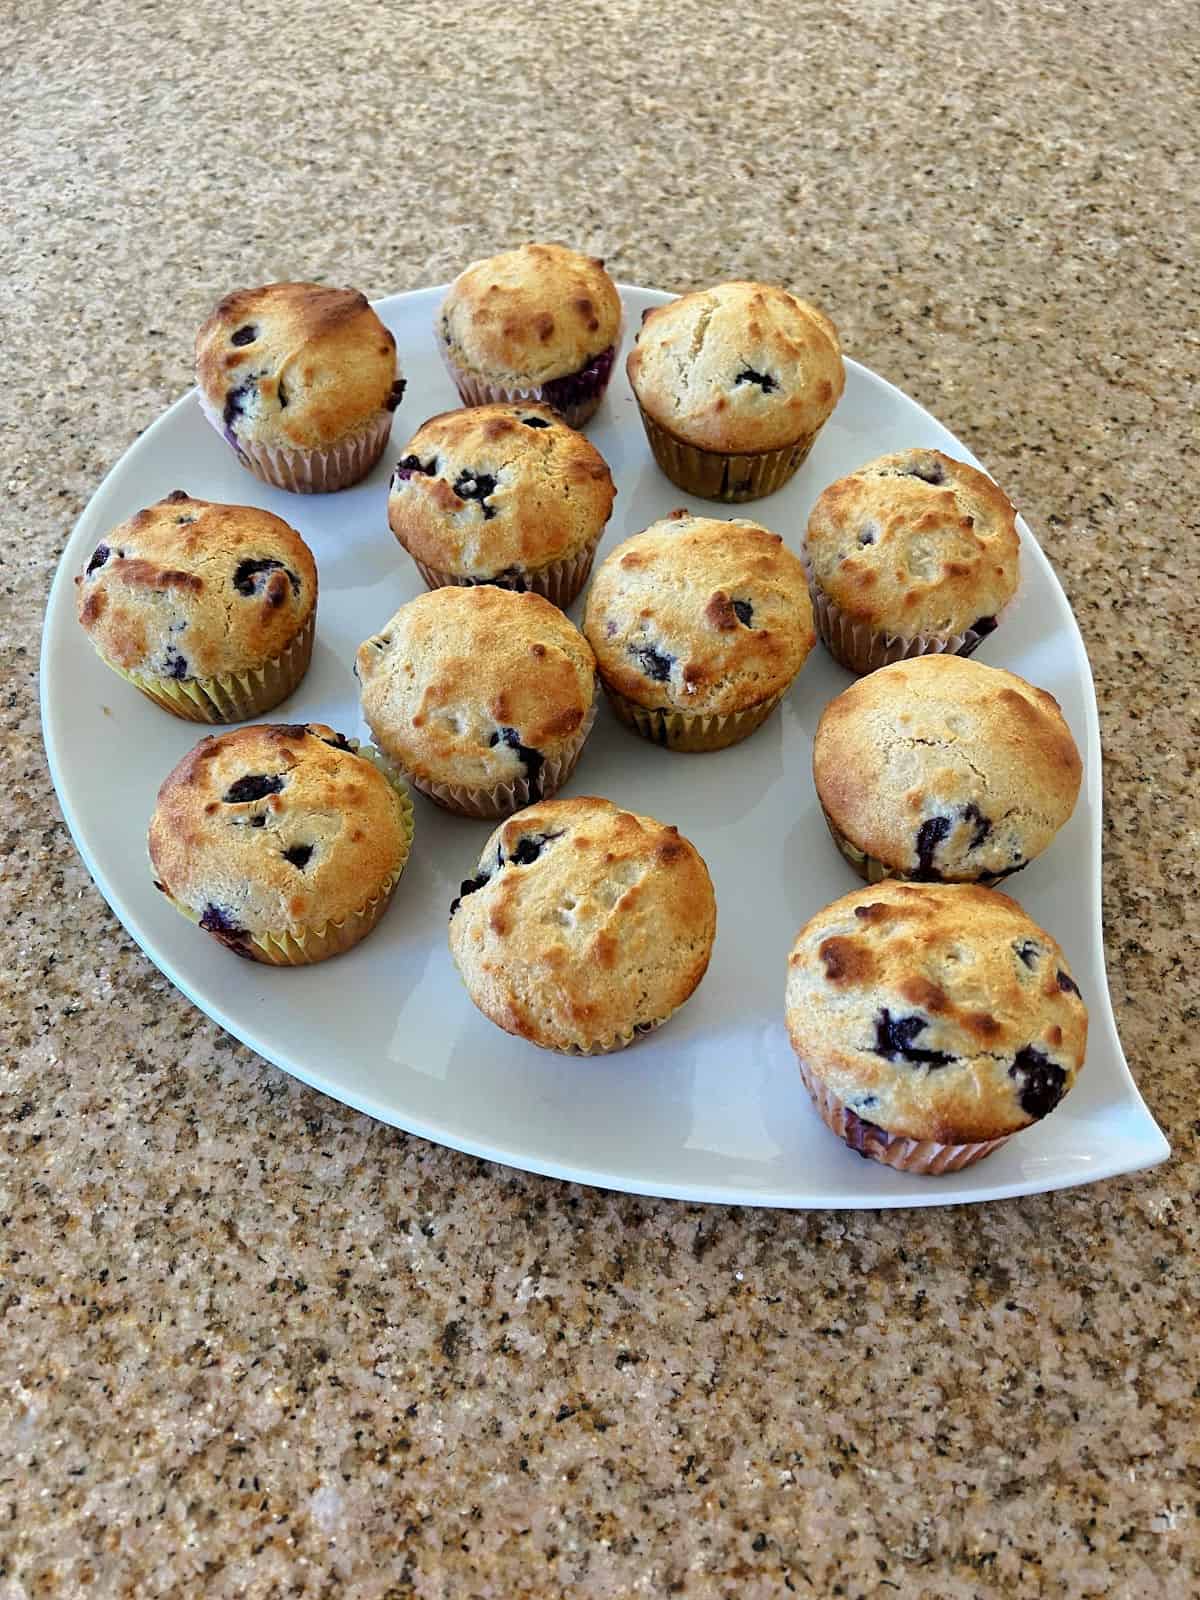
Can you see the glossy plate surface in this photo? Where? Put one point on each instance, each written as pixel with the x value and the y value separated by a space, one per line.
pixel 709 1108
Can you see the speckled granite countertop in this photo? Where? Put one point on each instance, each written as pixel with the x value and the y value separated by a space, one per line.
pixel 254 1344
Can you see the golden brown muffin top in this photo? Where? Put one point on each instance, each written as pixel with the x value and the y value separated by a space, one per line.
pixel 495 490
pixel 583 923
pixel 476 686
pixel 296 365
pixel 915 543
pixel 531 314
pixel 739 368
pixel 944 768
pixel 935 1011
pixel 191 589
pixel 276 828
pixel 699 615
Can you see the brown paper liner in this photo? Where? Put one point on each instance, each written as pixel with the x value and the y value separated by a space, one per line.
pixel 925 1156
pixel 677 730
pixel 475 390
pixel 231 696
pixel 875 871
pixel 716 475
pixel 560 582
pixel 317 471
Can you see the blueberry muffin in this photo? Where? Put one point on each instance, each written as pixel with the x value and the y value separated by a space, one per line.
pixel 208 609
pixel 942 769
pixel 503 494
pixel 583 926
pixel 913 553
pixel 537 323
pixel 280 841
pixel 932 1021
pixel 482 698
pixel 734 384
pixel 699 628
pixel 302 382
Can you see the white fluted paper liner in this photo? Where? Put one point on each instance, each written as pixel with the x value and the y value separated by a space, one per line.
pixel 925 1156
pixel 695 732
pixel 474 390
pixel 560 582
pixel 318 471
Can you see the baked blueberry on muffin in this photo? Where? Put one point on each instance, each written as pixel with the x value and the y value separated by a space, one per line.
pixel 280 841
pixel 208 609
pixel 302 381
pixel 583 926
pixel 503 494
pixel 734 384
pixel 913 553
pixel 932 1021
pixel 943 769
pixel 483 698
pixel 699 628
pixel 537 323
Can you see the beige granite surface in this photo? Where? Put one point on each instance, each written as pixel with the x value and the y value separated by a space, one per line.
pixel 253 1343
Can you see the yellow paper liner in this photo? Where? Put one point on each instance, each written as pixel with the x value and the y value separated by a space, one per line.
pixel 230 696
pixel 559 582
pixel 316 471
pixel 875 871
pixel 476 390
pixel 679 730
pixel 721 475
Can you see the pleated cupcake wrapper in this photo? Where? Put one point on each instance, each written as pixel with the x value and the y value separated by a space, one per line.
pixel 317 471
pixel 875 871
pixel 680 730
pixel 621 1041
pixel 474 390
pixel 501 799
pixel 560 582
pixel 925 1156
pixel 231 696
pixel 720 475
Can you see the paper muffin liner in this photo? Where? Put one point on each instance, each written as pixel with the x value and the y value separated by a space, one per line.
pixel 925 1156
pixel 559 582
pixel 679 730
pixel 302 947
pixel 875 871
pixel 317 471
pixel 231 696
pixel 501 799
pixel 576 396
pixel 621 1041
pixel 720 475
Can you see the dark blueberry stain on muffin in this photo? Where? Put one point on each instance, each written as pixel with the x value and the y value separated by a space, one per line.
pixel 764 380
pixel 1040 1083
pixel 577 388
pixel 530 846
pixel 176 497
pixel 407 466
pixel 219 923
pixel 235 404
pixel 282 395
pixel 174 664
pixel 867 536
pixel 99 556
pixel 654 663
pixel 298 854
pixel 1028 952
pixel 338 742
pixel 535 422
pixel 509 578
pixel 1067 983
pixel 244 335
pixel 927 471
pixel 476 486
pixel 929 835
pixel 862 1136
pixel 259 820
pixel 983 626
pixel 396 394
pixel 248 571
pixel 255 786
pixel 744 612
pixel 894 1041
pixel 531 760
pixel 983 825
pixel 469 886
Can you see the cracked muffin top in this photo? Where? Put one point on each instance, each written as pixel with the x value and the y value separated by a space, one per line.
pixel 276 827
pixel 915 543
pixel 191 589
pixel 296 365
pixel 700 615
pixel 583 925
pixel 530 315
pixel 935 1011
pixel 739 368
pixel 942 768
pixel 476 686
pixel 498 490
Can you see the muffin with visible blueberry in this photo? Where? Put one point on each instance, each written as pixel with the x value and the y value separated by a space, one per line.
pixel 734 383
pixel 932 1022
pixel 913 554
pixel 540 322
pixel 281 841
pixel 482 698
pixel 302 381
pixel 501 494
pixel 699 629
pixel 208 609
pixel 942 769
pixel 583 926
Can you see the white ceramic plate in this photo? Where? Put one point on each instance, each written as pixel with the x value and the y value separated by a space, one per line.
pixel 711 1108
